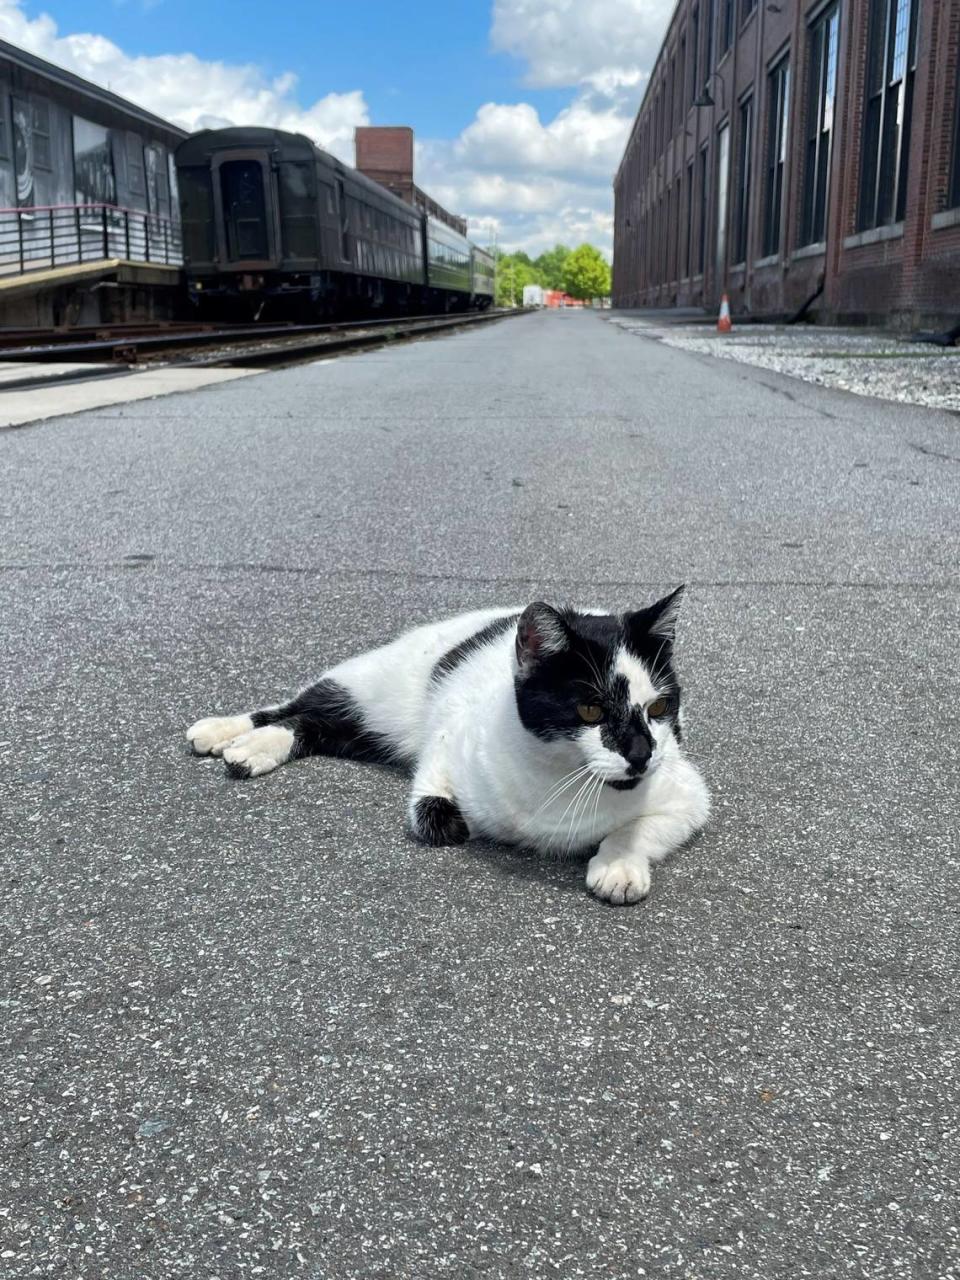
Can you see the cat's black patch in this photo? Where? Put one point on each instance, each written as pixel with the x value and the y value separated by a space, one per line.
pixel 237 769
pixel 325 721
pixel 438 821
pixel 549 689
pixel 459 653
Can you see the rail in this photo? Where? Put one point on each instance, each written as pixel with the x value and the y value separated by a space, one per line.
pixel 44 237
pixel 255 346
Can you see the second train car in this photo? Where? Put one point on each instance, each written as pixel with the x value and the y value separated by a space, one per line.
pixel 273 225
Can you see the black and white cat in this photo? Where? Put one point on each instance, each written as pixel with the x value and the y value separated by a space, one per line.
pixel 549 728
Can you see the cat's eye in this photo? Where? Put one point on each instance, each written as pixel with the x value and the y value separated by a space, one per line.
pixel 589 712
pixel 657 709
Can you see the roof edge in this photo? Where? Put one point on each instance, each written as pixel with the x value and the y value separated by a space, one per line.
pixel 70 80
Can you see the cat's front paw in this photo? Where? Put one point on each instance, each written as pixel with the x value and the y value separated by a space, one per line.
pixel 209 736
pixel 618 877
pixel 438 821
pixel 259 751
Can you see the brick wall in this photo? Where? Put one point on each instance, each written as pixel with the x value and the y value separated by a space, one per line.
pixel 902 272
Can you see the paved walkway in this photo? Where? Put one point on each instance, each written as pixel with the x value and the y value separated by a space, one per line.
pixel 250 1029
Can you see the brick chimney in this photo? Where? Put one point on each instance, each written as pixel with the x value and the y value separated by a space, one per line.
pixel 385 154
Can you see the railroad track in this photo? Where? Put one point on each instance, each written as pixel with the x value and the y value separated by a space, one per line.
pixel 226 345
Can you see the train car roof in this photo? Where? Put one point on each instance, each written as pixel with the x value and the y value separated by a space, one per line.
pixel 293 146
pixel 297 146
pixel 445 234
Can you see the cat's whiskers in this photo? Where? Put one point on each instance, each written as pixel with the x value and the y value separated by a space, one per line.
pixel 555 792
pixel 582 799
pixel 585 783
pixel 596 804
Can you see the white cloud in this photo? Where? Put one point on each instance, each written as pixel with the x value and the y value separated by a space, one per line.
pixel 535 180
pixel 580 141
pixel 575 42
pixel 191 92
pixel 539 181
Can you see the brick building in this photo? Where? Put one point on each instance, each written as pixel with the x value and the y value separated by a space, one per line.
pixel 385 154
pixel 792 152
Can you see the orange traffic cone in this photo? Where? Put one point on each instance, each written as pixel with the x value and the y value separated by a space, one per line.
pixel 724 324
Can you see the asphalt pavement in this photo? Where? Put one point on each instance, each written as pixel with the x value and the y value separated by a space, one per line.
pixel 251 1029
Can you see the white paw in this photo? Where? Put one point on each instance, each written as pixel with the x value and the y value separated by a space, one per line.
pixel 208 737
pixel 618 878
pixel 259 751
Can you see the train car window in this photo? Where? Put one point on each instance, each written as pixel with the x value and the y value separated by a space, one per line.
pixel 295 178
pixel 135 176
pixel 342 202
pixel 244 210
pixel 196 207
pixel 297 213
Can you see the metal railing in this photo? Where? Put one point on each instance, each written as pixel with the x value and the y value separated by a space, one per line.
pixel 63 235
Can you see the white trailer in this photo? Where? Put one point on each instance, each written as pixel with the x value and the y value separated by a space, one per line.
pixel 532 295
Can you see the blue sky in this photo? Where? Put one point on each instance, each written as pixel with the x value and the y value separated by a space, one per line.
pixel 520 107
pixel 430 72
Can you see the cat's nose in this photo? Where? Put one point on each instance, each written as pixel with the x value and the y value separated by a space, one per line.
pixel 639 752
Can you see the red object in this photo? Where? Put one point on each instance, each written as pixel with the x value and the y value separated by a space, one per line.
pixel 724 323
pixel 557 298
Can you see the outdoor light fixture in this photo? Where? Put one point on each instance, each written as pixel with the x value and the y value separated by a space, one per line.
pixel 705 98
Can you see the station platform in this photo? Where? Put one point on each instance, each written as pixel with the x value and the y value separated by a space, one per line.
pixel 119 269
pixel 33 393
pixel 109 289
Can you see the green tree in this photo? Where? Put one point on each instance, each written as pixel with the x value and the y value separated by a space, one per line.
pixel 514 270
pixel 550 265
pixel 586 273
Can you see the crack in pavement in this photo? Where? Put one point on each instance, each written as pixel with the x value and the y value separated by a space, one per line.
pixel 932 453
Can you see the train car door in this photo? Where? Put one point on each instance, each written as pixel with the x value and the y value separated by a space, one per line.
pixel 245 201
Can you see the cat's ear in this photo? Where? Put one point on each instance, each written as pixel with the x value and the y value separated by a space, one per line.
pixel 541 632
pixel 659 621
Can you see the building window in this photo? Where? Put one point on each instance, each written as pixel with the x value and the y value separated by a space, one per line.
pixel 744 149
pixel 821 94
pixel 955 167
pixel 723 181
pixel 671 95
pixel 726 25
pixel 746 8
pixel 702 237
pixel 891 61
pixel 708 15
pixel 688 250
pixel 694 51
pixel 4 127
pixel 681 99
pixel 135 179
pixel 778 105
pixel 42 158
pixel 94 181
